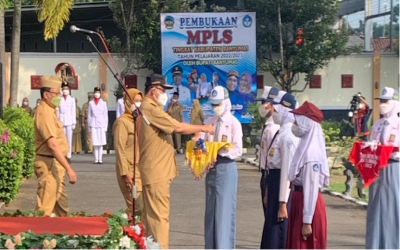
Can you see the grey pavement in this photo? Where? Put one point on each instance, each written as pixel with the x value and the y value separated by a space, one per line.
pixel 96 191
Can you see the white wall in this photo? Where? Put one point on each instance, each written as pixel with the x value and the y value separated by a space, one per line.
pixel 332 95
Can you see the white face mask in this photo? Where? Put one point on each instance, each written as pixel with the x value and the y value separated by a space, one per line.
pixel 65 92
pixel 162 99
pixel 262 110
pixel 219 110
pixel 277 118
pixel 138 104
pixel 297 131
pixel 384 108
pixel 96 95
pixel 362 105
pixel 174 100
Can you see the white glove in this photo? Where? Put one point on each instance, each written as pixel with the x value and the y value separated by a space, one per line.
pixel 73 126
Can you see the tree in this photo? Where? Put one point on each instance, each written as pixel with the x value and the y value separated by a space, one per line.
pixel 308 41
pixel 139 20
pixel 54 14
pixel 15 48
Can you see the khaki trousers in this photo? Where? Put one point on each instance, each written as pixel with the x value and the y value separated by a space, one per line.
pixel 127 194
pixel 156 200
pixel 88 138
pixel 51 193
pixel 177 140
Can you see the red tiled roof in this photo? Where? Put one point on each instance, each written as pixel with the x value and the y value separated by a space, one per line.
pixel 382 44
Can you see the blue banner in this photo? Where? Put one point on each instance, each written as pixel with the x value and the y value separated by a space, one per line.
pixel 204 50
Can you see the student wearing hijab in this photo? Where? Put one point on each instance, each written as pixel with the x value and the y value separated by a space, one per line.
pixel 123 131
pixel 383 205
pixel 308 173
pixel 280 156
pixel 222 179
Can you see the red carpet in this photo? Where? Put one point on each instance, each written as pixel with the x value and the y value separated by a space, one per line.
pixel 56 225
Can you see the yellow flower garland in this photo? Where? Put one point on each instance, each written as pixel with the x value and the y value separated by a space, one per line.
pixel 200 162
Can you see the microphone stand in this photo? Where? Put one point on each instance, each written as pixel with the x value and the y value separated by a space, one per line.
pixel 135 114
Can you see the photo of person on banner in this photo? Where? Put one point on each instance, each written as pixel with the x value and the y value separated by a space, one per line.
pixel 184 93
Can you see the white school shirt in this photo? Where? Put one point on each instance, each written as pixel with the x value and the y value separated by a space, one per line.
pixel 311 180
pixel 391 136
pixel 98 114
pixel 66 112
pixel 280 156
pixel 120 107
pixel 266 138
pixel 231 131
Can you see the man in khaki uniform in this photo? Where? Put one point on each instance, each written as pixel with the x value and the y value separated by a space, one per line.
pixel 51 149
pixel 175 110
pixel 157 162
pixel 85 109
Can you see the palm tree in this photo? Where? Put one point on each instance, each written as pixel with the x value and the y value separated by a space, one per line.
pixel 54 14
pixel 15 48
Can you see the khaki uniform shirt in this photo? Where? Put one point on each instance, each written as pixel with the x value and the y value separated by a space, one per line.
pixel 157 160
pixel 47 125
pixel 123 145
pixel 176 111
pixel 85 110
pixel 78 126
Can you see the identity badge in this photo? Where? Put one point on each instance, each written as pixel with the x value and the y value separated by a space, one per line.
pixel 392 138
pixel 224 138
pixel 271 152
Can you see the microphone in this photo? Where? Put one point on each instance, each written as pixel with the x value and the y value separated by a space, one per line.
pixel 74 29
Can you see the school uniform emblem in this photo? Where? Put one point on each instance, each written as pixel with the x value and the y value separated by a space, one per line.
pixel 224 138
pixel 316 167
pixel 271 152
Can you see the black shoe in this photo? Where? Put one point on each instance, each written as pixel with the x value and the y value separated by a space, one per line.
pixel 96 162
pixel 100 162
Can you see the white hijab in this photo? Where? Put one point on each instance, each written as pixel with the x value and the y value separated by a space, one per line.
pixel 311 148
pixel 395 108
pixel 286 115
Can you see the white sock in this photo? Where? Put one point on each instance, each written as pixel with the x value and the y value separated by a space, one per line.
pixel 96 153
pixel 100 153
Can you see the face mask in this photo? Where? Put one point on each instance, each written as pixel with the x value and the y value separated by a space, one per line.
pixel 174 100
pixel 25 103
pixel 362 105
pixel 96 95
pixel 219 110
pixel 276 117
pixel 262 110
pixel 65 92
pixel 296 130
pixel 384 108
pixel 138 104
pixel 56 101
pixel 162 99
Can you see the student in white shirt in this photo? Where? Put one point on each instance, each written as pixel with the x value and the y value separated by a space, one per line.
pixel 120 105
pixel 67 115
pixel 279 158
pixel 222 179
pixel 98 124
pixel 268 132
pixel 308 173
pixel 204 88
pixel 383 206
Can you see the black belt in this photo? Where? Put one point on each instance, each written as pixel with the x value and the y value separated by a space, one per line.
pixel 223 159
pixel 298 188
pixel 48 156
pixel 393 160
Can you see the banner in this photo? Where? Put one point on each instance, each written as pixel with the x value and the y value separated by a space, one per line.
pixel 203 50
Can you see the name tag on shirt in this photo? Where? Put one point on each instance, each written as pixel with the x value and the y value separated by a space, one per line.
pixel 224 138
pixel 271 152
pixel 392 138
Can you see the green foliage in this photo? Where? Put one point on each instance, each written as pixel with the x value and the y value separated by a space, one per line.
pixel 140 22
pixel 257 121
pixel 11 160
pixel 321 42
pixel 21 123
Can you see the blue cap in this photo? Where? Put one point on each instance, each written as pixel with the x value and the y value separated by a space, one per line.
pixel 288 101
pixel 269 94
